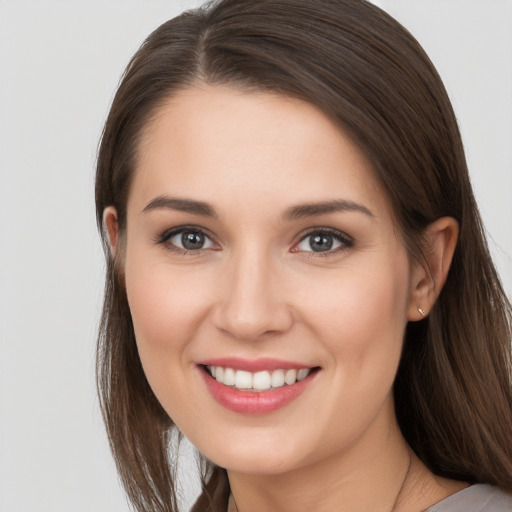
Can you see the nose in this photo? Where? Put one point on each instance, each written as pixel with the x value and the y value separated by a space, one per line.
pixel 253 302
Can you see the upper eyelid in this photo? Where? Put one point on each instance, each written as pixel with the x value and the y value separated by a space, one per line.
pixel 331 231
pixel 168 233
pixel 164 240
pixel 346 242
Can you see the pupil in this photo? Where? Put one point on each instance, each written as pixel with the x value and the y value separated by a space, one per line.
pixel 192 241
pixel 321 243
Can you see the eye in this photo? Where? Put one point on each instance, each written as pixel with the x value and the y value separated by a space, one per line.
pixel 188 239
pixel 322 241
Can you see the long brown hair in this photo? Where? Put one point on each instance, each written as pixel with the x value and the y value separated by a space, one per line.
pixel 364 70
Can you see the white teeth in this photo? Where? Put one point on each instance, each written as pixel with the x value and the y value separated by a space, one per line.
pixel 229 377
pixel 259 381
pixel 243 380
pixel 277 378
pixel 302 373
pixel 290 376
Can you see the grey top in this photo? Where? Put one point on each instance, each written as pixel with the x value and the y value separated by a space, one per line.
pixel 476 498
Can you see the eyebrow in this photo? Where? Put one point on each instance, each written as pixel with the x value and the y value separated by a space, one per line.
pixel 182 205
pixel 302 211
pixel 297 212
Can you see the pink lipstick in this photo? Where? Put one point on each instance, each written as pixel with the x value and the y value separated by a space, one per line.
pixel 255 387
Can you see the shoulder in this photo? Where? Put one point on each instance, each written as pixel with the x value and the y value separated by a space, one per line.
pixel 476 498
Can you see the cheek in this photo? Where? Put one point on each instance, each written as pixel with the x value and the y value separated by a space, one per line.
pixel 360 319
pixel 167 309
pixel 376 307
pixel 361 305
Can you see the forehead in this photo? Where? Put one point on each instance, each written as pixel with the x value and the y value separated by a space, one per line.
pixel 220 142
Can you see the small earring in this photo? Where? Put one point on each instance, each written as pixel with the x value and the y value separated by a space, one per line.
pixel 422 313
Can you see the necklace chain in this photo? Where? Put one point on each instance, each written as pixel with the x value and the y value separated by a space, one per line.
pixel 395 504
pixel 397 499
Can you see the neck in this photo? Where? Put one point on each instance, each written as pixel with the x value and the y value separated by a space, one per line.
pixel 369 475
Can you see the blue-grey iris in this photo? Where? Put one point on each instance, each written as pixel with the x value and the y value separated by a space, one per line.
pixel 192 241
pixel 321 243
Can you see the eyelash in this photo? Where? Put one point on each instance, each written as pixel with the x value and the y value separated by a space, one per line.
pixel 165 238
pixel 344 240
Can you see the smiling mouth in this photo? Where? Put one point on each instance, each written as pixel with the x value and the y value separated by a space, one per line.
pixel 266 380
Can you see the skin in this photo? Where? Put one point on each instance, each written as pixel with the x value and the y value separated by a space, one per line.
pixel 257 289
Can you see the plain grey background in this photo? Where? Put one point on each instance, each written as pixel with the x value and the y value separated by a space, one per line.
pixel 60 62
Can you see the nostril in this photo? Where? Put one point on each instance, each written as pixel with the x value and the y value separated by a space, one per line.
pixel 249 322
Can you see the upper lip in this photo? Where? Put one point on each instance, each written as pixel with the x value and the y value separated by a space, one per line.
pixel 254 365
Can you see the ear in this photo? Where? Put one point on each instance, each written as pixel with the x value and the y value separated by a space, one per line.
pixel 111 226
pixel 427 282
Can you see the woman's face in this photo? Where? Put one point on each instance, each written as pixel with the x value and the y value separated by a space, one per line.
pixel 260 243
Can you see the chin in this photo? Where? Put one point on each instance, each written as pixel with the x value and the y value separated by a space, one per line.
pixel 258 464
pixel 249 456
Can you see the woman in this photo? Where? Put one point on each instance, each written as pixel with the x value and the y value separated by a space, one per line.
pixel 297 278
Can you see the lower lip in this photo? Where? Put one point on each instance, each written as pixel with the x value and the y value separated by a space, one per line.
pixel 255 402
